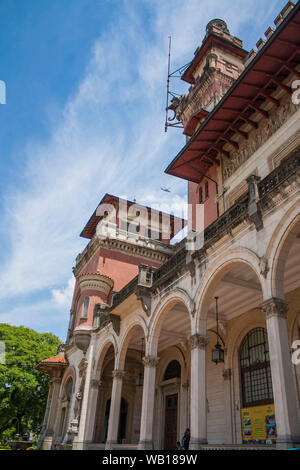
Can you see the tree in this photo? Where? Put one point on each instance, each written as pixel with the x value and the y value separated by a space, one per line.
pixel 23 389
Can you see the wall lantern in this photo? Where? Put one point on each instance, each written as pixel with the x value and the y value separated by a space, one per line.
pixel 218 352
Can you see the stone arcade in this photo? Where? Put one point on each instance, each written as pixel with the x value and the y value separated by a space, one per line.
pixel 136 369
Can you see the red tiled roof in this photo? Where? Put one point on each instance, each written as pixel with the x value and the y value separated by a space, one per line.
pixel 55 360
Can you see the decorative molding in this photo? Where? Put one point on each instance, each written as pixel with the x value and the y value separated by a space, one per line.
pixel 146 249
pixel 82 367
pixel 258 137
pixel 275 308
pixel 264 267
pixel 144 296
pixel 96 383
pixel 150 361
pixel 198 341
pixel 254 211
pixel 98 282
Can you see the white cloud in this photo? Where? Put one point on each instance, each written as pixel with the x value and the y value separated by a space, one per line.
pixel 63 297
pixel 108 138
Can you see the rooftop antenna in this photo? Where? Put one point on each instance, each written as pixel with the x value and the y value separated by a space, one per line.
pixel 171 104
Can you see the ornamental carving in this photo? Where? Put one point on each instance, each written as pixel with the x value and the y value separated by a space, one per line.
pixel 118 374
pixel 198 341
pixel 258 137
pixel 150 361
pixel 275 308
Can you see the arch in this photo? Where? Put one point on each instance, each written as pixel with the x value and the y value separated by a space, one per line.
pixel 125 340
pixel 174 354
pixel 173 370
pixel 163 307
pixel 213 275
pixel 278 248
pixel 100 355
pixel 70 372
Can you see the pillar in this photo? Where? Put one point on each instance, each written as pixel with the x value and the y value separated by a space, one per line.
pixel 198 418
pixel 115 405
pixel 285 397
pixel 47 440
pixel 147 416
pixel 83 423
pixel 228 406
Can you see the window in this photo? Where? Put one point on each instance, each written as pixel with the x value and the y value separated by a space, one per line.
pixel 201 195
pixel 69 388
pixel 85 307
pixel 173 371
pixel 255 369
pixel 206 190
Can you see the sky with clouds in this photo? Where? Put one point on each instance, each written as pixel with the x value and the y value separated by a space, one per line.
pixel 84 115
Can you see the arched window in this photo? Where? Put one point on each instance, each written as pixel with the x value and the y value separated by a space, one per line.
pixel 85 307
pixel 173 371
pixel 69 388
pixel 255 369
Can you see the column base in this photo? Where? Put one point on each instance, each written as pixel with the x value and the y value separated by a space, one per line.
pixel 46 443
pixel 145 445
pixel 109 445
pixel 196 444
pixel 78 445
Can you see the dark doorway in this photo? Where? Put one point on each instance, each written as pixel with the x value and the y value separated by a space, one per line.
pixel 171 422
pixel 122 420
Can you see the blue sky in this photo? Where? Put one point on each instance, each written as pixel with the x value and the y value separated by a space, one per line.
pixel 86 84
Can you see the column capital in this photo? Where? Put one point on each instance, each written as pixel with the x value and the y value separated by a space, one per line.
pixel 198 341
pixel 150 361
pixel 227 374
pixel 275 308
pixel 118 374
pixel 96 383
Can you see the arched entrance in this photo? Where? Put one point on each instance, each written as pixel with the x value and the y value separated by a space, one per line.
pixel 169 340
pixel 122 420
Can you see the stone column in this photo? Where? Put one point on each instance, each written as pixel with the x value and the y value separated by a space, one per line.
pixel 285 397
pixel 83 422
pixel 198 392
pixel 55 384
pixel 228 406
pixel 115 405
pixel 146 430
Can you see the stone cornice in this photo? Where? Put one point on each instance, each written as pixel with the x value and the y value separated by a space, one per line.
pixel 257 137
pixel 158 252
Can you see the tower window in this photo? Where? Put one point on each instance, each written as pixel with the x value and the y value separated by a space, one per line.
pixel 206 189
pixel 201 195
pixel 85 307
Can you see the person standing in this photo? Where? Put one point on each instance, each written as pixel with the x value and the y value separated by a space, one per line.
pixel 186 439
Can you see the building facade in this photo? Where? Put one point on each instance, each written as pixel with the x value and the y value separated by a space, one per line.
pixel 203 334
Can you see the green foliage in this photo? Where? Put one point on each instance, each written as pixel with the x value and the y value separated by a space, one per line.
pixel 23 389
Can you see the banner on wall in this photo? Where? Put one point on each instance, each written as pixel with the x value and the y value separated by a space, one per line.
pixel 259 424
